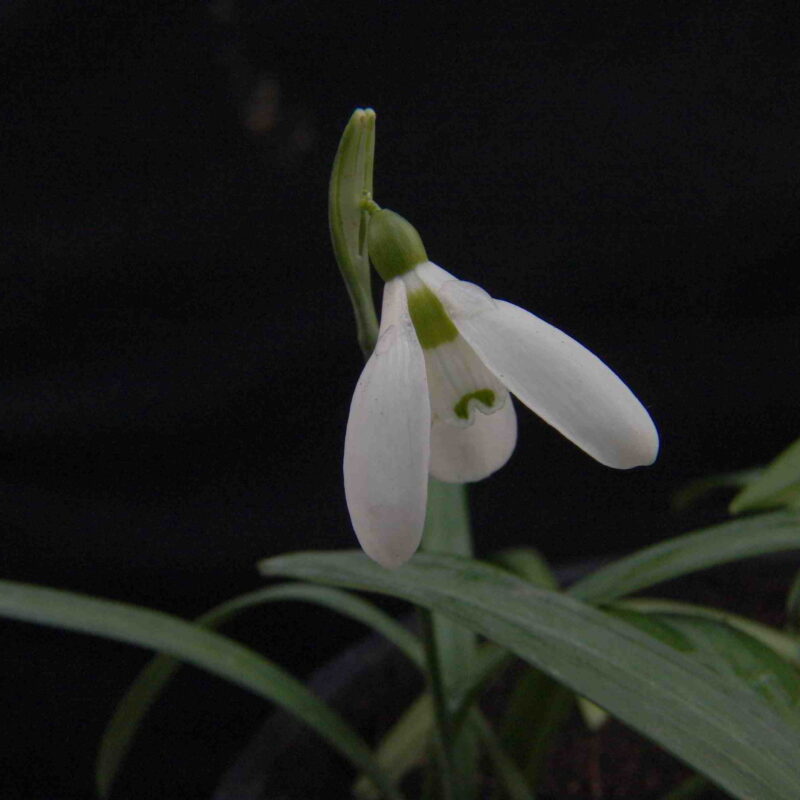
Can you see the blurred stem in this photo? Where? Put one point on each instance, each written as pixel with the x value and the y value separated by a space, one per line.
pixel 351 184
pixel 445 767
pixel 450 648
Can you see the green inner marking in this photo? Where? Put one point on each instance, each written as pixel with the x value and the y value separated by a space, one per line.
pixel 483 396
pixel 431 322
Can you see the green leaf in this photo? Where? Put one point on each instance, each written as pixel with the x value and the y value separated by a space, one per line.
pixel 408 742
pixel 351 183
pixel 506 771
pixel 697 489
pixel 538 706
pixel 779 484
pixel 527 563
pixel 728 652
pixel 730 541
pixel 403 748
pixel 793 605
pixel 535 713
pixel 693 786
pixel 786 645
pixel 194 645
pixel 706 721
pixel 150 682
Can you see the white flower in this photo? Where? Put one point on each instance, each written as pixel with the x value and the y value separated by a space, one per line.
pixel 434 395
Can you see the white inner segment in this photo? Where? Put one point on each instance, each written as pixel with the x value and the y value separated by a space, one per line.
pixel 454 370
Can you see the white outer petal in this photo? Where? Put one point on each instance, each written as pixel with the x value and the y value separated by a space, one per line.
pixel 555 376
pixel 387 444
pixel 433 276
pixel 463 455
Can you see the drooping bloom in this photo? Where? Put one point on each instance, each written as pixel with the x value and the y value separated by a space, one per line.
pixel 434 397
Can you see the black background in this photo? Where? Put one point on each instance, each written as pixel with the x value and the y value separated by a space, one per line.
pixel 178 350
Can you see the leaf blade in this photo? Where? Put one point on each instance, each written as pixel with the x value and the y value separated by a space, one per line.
pixel 150 682
pixel 773 485
pixel 720 544
pixel 210 651
pixel 710 724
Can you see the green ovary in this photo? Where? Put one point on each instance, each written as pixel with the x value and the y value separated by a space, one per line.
pixel 431 322
pixel 484 396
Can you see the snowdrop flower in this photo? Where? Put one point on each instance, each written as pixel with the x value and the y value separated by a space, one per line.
pixel 434 396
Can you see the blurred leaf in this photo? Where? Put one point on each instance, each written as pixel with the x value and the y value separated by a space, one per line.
pixel 535 713
pixel 697 489
pixel 693 786
pixel 508 774
pixel 593 716
pixel 793 605
pixel 150 682
pixel 402 748
pixel 707 721
pixel 194 645
pixel 527 563
pixel 351 182
pixel 778 485
pixel 730 541
pixel 489 660
pixel 466 688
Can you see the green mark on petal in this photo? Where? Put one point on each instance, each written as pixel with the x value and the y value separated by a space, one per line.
pixel 484 396
pixel 431 322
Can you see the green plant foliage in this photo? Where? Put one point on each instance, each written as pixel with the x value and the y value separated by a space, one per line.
pixel 194 645
pixel 778 484
pixel 152 680
pixel 707 720
pixel 698 489
pixel 727 651
pixel 720 544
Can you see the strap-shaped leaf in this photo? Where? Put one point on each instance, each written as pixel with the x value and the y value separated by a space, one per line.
pixel 725 649
pixel 709 722
pixel 778 484
pixel 696 490
pixel 786 645
pixel 194 645
pixel 151 681
pixel 730 541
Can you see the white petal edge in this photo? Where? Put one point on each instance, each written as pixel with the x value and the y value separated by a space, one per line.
pixel 387 444
pixel 555 376
pixel 464 455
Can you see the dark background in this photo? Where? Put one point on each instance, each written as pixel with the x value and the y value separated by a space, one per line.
pixel 178 352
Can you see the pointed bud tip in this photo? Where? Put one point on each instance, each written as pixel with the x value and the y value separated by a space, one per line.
pixel 363 115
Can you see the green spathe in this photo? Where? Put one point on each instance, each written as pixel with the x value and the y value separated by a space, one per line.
pixel 394 244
